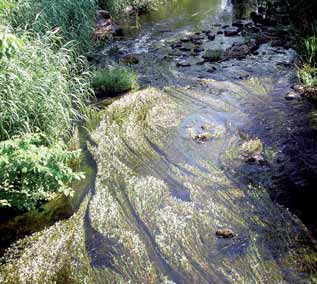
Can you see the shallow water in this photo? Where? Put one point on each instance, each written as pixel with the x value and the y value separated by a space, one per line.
pixel 161 194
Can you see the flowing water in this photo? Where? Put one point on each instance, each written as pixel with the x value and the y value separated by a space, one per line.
pixel 175 163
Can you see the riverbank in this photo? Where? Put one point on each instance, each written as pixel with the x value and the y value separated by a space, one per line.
pixel 47 86
pixel 303 19
pixel 194 155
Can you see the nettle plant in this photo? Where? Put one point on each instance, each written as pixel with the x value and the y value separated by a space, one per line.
pixel 31 171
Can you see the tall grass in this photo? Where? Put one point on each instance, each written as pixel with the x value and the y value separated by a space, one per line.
pixel 72 20
pixel 44 88
pixel 40 91
pixel 309 48
pixel 304 21
pixel 308 75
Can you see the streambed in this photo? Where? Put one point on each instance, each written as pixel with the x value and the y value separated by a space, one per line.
pixel 199 148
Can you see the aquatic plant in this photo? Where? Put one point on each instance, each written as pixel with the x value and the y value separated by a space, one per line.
pixel 114 80
pixel 137 229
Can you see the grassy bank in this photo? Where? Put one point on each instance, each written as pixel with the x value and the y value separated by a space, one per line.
pixel 44 89
pixel 304 21
pixel 46 85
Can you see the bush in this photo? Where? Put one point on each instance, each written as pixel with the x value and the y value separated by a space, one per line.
pixel 44 88
pixel 117 6
pixel 40 91
pixel 308 75
pixel 73 19
pixel 114 80
pixel 31 172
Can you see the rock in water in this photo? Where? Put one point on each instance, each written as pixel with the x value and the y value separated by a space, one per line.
pixel 130 59
pixel 211 36
pixel 231 31
pixel 225 233
pixel 212 55
pixel 183 64
pixel 292 96
pixel 202 137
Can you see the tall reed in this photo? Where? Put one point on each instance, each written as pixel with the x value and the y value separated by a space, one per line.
pixel 72 20
pixel 40 90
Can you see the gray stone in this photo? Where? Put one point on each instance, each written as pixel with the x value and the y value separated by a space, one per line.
pixel 212 55
pixel 231 31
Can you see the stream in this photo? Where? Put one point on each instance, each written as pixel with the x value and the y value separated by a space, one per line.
pixel 201 148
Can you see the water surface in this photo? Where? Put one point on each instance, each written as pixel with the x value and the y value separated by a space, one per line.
pixel 161 194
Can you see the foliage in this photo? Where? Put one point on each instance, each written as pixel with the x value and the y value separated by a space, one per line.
pixel 40 91
pixel 309 50
pixel 114 80
pixel 308 75
pixel 9 44
pixel 302 14
pixel 73 20
pixel 94 117
pixel 31 171
pixel 303 17
pixel 117 6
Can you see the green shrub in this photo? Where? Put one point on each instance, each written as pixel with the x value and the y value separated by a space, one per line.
pixel 117 6
pixel 308 75
pixel 40 91
pixel 114 6
pixel 31 171
pixel 114 80
pixel 71 19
